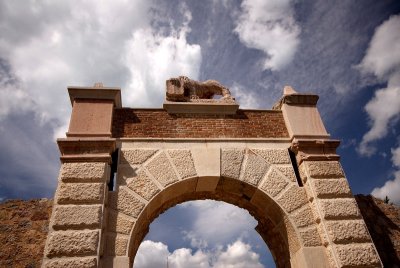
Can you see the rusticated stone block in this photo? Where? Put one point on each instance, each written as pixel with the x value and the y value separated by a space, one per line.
pixel 78 193
pixel 310 237
pixel 136 156
pixel 116 244
pixel 72 263
pixel 339 209
pixel 287 171
pixel 77 217
pixel 274 156
pixel 255 169
pixel 274 183
pixel 119 223
pixel 343 232
pixel 72 243
pixel 324 169
pixel 127 203
pixel 331 187
pixel 293 198
pixel 84 171
pixel 231 162
pixel 162 170
pixel 357 255
pixel 143 185
pixel 303 217
pixel 183 161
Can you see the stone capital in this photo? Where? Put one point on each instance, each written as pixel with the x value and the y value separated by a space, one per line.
pixel 315 150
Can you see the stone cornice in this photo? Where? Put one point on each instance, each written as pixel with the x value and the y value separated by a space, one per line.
pixel 315 150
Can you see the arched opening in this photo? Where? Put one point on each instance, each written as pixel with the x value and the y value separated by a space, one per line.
pixel 203 233
pixel 273 224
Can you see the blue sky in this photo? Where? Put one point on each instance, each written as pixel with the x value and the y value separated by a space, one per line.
pixel 347 52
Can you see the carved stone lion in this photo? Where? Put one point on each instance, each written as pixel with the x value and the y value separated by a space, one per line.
pixel 185 89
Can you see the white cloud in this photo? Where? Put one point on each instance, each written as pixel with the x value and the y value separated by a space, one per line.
pixel 383 60
pixel 269 26
pixel 390 189
pixel 245 98
pixel 396 157
pixel 237 255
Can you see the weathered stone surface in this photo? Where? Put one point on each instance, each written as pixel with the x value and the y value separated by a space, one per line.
pixel 80 216
pixel 343 232
pixel 290 234
pixel 339 208
pixel 358 255
pixel 119 223
pixel 73 263
pixel 78 193
pixel 136 156
pixel 303 217
pixel 324 169
pixel 293 198
pixel 183 161
pixel 231 162
pixel 331 187
pixel 255 169
pixel 143 185
pixel 310 237
pixel 117 244
pixel 274 156
pixel 162 170
pixel 84 171
pixel 274 183
pixel 288 171
pixel 125 202
pixel 72 243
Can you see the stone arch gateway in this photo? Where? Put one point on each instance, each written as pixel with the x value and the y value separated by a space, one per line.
pixel 122 167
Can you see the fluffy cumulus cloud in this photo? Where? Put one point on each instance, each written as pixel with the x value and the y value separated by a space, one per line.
pixel 245 98
pixel 236 255
pixel 382 60
pixel 269 26
pixel 46 46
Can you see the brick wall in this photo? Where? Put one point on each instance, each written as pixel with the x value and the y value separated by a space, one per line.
pixel 157 123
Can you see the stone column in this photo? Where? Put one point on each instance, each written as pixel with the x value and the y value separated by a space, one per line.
pixel 78 219
pixel 341 227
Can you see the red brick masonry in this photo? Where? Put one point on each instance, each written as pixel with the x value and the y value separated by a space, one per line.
pixel 157 123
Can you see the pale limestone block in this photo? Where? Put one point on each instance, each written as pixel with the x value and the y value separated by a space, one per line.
pixel 274 156
pixel 255 169
pixel 143 185
pixel 324 169
pixel 125 202
pixel 84 171
pixel 346 232
pixel 289 232
pixel 357 255
pixel 162 170
pixel 207 161
pixel 136 156
pixel 119 223
pixel 293 198
pixel 274 183
pixel 231 162
pixel 80 216
pixel 72 243
pixel 287 171
pixel 310 237
pixel 339 209
pixel 90 262
pixel 78 193
pixel 303 217
pixel 183 161
pixel 311 257
pixel 331 187
pixel 116 244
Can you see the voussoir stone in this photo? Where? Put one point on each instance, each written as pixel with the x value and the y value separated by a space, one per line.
pixel 72 243
pixel 331 187
pixel 303 217
pixel 287 171
pixel 78 193
pixel 324 169
pixel 136 156
pixel 274 183
pixel 274 156
pixel 339 208
pixel 357 255
pixel 310 237
pixel 72 263
pixel 117 244
pixel 162 170
pixel 126 202
pixel 231 162
pixel 293 198
pixel 84 171
pixel 79 216
pixel 342 232
pixel 143 185
pixel 119 223
pixel 255 169
pixel 183 161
